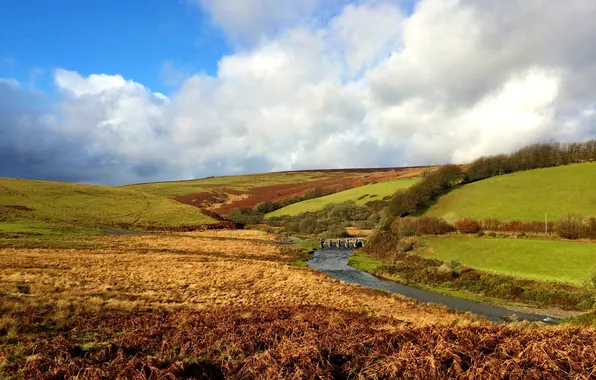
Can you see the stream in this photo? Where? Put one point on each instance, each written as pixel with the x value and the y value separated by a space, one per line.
pixel 334 262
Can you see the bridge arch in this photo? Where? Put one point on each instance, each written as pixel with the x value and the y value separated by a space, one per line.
pixel 342 243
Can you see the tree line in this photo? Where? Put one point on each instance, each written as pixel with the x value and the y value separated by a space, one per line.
pixel 531 157
pixel 421 195
pixel 434 184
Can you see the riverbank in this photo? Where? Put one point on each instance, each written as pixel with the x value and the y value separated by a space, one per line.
pixel 335 264
pixel 412 270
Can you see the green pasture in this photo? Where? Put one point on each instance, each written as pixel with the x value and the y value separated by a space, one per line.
pixel 42 207
pixel 527 195
pixel 546 260
pixel 360 195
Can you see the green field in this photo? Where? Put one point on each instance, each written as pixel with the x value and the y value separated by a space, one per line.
pixel 547 260
pixel 360 195
pixel 43 207
pixel 525 195
pixel 239 182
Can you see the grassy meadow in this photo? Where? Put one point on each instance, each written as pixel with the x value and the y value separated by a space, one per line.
pixel 546 260
pixel 360 195
pixel 526 195
pixel 42 207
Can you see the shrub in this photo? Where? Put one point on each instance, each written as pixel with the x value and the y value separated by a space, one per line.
pixel 380 243
pixel 571 228
pixel 492 234
pixel 491 224
pixel 265 207
pixel 590 228
pixel 406 245
pixel 452 267
pixel 245 216
pixel 308 225
pixel 467 226
pixel 480 234
pixel 516 226
pixel 590 281
pixel 451 217
pixel 420 226
pixel 23 288
pixel 404 226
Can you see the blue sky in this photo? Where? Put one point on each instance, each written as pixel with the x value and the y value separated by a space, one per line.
pixel 133 38
pixel 270 85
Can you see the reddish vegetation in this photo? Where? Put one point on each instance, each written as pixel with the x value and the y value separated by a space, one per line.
pixel 467 226
pixel 286 342
pixel 214 200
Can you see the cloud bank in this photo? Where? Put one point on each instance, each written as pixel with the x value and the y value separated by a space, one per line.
pixel 367 85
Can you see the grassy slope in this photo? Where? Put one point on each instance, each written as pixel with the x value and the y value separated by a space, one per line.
pixel 240 182
pixel 62 206
pixel 549 260
pixel 525 195
pixel 360 195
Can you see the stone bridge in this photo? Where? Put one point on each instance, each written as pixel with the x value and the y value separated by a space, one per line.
pixel 342 243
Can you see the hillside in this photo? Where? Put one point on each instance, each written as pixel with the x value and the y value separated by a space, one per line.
pixel 360 195
pixel 43 207
pixel 526 195
pixel 223 194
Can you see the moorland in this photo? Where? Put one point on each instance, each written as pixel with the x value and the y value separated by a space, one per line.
pixel 151 280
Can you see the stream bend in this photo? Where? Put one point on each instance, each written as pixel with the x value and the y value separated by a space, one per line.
pixel 334 262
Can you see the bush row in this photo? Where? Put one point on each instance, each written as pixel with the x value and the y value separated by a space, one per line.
pixel 577 227
pixel 572 227
pixel 410 226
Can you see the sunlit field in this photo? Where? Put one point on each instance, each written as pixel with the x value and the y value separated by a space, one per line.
pixel 545 260
pixel 52 208
pixel 527 195
pixel 359 195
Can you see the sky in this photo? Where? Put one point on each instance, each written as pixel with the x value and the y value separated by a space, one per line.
pixel 114 92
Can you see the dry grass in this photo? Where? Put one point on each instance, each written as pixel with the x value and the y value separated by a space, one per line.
pixel 237 234
pixel 89 342
pixel 232 248
pixel 194 272
pixel 149 307
pixel 353 231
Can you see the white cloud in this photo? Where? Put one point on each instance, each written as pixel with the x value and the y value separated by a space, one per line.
pixel 369 86
pixel 250 19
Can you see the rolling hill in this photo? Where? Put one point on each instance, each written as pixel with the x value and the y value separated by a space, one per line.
pixel 360 195
pixel 42 207
pixel 223 194
pixel 526 195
